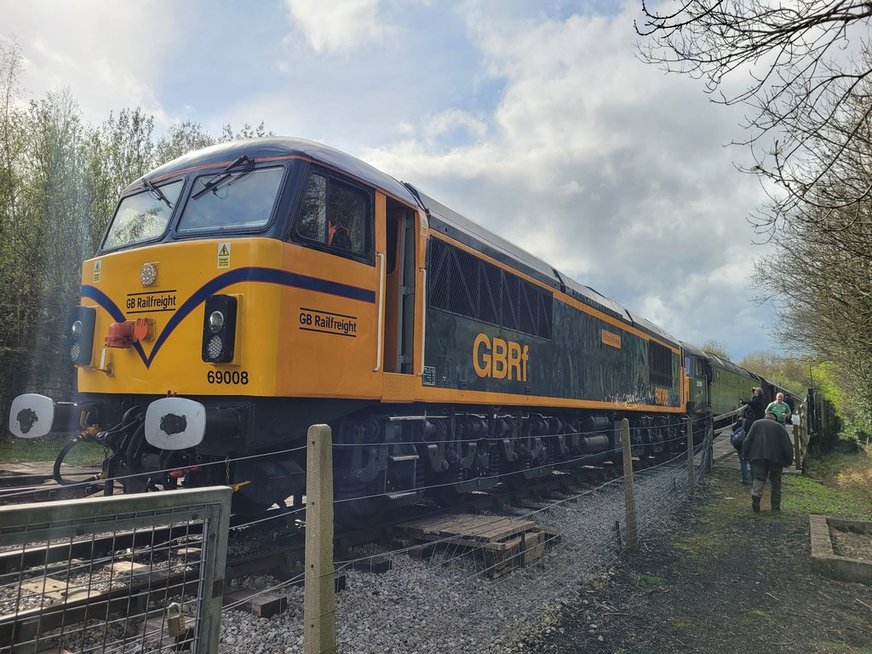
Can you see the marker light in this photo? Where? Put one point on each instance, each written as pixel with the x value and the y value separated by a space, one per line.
pixel 214 347
pixel 80 342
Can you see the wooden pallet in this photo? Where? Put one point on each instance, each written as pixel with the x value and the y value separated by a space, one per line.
pixel 504 543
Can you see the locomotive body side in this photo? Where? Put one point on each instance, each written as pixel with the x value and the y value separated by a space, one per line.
pixel 497 336
pixel 207 348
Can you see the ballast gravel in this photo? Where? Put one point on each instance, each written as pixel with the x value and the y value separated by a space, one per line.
pixel 445 603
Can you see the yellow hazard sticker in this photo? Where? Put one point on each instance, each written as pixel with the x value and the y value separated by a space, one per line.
pixel 98 271
pixel 224 255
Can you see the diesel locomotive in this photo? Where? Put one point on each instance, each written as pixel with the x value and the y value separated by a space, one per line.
pixel 249 290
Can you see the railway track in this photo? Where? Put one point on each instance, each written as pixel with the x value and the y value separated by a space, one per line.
pixel 172 555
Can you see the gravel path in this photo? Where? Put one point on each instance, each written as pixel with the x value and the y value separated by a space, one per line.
pixel 445 604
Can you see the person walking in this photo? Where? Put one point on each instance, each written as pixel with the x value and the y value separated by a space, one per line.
pixel 736 440
pixel 780 408
pixel 767 446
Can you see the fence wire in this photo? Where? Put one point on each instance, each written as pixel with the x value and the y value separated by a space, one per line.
pixel 448 596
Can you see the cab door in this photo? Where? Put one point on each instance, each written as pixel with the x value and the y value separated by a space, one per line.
pixel 400 290
pixel 399 281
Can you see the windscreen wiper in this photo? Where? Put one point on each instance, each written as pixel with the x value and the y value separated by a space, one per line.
pixel 156 192
pixel 219 179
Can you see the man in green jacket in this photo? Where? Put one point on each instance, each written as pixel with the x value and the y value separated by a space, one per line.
pixel 780 408
pixel 767 446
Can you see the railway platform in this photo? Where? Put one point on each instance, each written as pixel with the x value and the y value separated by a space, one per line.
pixel 725 454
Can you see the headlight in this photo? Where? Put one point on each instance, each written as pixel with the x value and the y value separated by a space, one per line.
pixel 81 335
pixel 148 274
pixel 216 321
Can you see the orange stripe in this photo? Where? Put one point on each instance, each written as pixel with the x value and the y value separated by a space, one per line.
pixel 433 394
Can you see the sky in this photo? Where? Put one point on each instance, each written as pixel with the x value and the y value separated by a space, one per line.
pixel 533 118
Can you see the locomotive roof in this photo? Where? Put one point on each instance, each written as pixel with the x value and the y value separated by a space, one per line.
pixel 690 348
pixel 729 365
pixel 466 231
pixel 441 218
pixel 281 146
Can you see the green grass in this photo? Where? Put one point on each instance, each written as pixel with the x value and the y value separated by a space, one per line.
pixel 807 495
pixel 20 450
pixel 839 484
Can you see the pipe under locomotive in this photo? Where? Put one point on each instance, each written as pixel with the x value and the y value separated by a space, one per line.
pixel 251 289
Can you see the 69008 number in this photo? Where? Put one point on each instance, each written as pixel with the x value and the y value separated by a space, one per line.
pixel 227 377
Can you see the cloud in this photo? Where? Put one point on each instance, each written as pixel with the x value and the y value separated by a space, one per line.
pixel 339 25
pixel 534 119
pixel 108 61
pixel 601 166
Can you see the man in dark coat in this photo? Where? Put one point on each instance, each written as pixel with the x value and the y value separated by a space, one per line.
pixel 754 410
pixel 767 446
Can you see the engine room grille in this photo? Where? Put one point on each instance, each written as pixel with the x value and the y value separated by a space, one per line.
pixel 464 284
pixel 660 364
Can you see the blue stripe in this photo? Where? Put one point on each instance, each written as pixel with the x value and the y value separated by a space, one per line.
pixel 265 275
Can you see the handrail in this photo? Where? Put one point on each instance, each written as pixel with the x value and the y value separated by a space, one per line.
pixel 381 312
pixel 730 414
pixel 423 315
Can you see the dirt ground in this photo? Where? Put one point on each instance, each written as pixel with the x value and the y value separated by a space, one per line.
pixel 724 580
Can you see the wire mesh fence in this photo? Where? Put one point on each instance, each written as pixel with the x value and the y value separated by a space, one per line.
pixel 450 595
pixel 445 594
pixel 114 574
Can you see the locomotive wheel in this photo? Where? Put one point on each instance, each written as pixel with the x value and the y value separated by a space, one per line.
pixel 446 495
pixel 355 513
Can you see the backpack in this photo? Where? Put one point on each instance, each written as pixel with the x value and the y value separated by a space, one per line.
pixel 738 438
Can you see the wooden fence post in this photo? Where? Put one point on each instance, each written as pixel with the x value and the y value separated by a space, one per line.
pixel 797 441
pixel 629 487
pixel 710 442
pixel 825 425
pixel 691 475
pixel 319 595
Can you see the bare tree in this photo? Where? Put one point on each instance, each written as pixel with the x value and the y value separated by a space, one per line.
pixel 804 68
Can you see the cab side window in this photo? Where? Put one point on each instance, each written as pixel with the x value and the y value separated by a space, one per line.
pixel 335 216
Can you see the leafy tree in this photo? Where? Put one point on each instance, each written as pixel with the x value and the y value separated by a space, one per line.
pixel 789 372
pixel 181 139
pixel 247 132
pixel 55 232
pixel 14 280
pixel 716 348
pixel 118 152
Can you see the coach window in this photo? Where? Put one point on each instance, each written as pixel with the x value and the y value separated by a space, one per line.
pixel 336 216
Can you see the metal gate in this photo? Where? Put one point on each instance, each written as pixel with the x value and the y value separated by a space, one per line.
pixel 138 573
